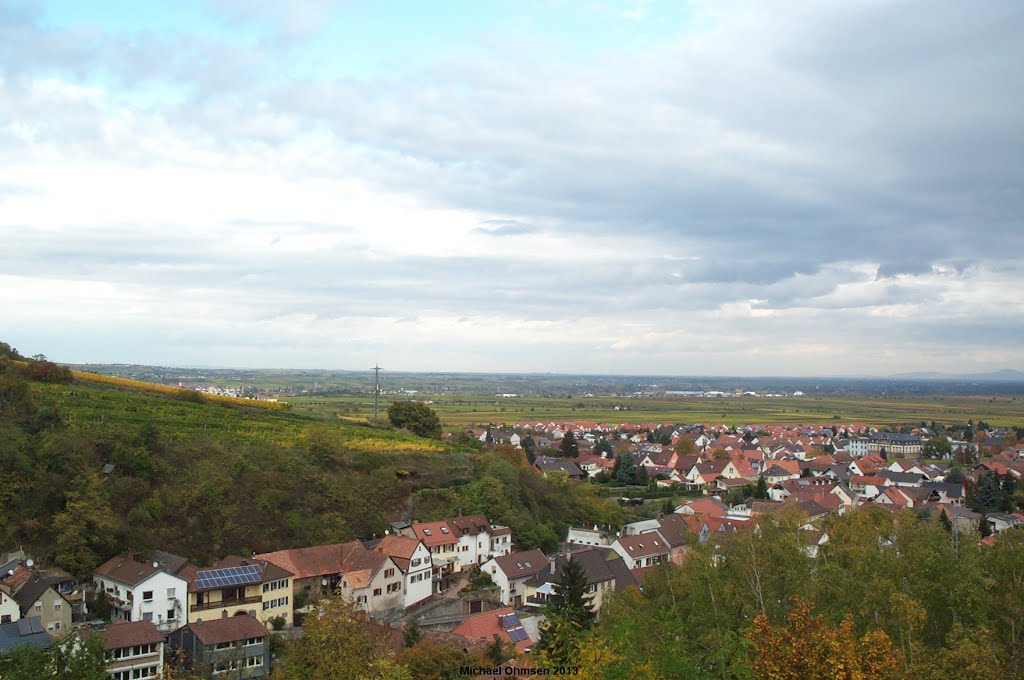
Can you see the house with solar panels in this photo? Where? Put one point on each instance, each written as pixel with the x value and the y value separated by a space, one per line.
pixel 237 586
pixel 142 591
pixel 28 631
pixel 501 624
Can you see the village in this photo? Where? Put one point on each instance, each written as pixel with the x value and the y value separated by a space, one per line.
pixel 465 580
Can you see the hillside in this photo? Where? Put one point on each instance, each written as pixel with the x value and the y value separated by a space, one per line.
pixel 88 469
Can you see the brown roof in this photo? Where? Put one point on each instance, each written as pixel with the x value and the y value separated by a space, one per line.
pixel 319 560
pixel 435 533
pixel 268 571
pixel 121 635
pixel 20 575
pixel 644 545
pixel 400 548
pixel 469 524
pixel 125 570
pixel 520 564
pixel 271 571
pixel 228 629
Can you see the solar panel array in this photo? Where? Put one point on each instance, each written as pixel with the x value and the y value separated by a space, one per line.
pixel 229 576
pixel 510 621
pixel 517 634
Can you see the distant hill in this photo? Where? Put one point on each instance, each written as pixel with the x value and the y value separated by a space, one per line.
pixel 1005 375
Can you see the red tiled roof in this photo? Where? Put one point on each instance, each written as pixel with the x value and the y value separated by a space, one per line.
pixel 318 560
pixel 487 626
pixel 435 533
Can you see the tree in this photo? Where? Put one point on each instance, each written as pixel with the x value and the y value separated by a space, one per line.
pixel 938 447
pixel 568 447
pixel 340 644
pixel 955 475
pixel 761 490
pixel 625 469
pixel 85 528
pixel 529 446
pixel 806 648
pixel 418 418
pixel 411 634
pixel 569 613
pixel 603 448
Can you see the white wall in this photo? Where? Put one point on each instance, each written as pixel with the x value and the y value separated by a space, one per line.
pixel 419 579
pixel 160 584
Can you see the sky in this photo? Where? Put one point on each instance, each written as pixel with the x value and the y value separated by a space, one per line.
pixel 723 187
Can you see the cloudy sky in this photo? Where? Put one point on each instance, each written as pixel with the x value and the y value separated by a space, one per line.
pixel 606 186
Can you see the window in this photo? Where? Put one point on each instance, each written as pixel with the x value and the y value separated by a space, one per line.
pixel 170 615
pixel 170 593
pixel 394 587
pixel 444 530
pixel 388 573
pixel 147 595
pixel 361 599
pixel 56 606
pixel 275 603
pixel 376 592
pixel 426 532
pixel 56 625
pixel 275 585
pixel 254 661
pixel 254 641
pixel 147 616
pixel 6 618
pixel 416 562
pixel 223 645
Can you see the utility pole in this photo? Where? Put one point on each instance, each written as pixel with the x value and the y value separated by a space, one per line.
pixel 376 390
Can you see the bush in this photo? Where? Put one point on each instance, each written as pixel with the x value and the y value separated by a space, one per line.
pixel 277 623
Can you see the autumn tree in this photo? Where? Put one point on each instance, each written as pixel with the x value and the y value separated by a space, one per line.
pixel 339 643
pixel 569 612
pixel 806 648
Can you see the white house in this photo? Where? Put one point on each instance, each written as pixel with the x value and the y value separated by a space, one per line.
pixel 510 573
pixel 9 610
pixel 143 591
pixel 413 559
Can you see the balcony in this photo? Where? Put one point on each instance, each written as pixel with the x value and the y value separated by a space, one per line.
pixel 224 604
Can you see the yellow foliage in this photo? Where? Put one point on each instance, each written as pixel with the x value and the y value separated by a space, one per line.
pixel 167 389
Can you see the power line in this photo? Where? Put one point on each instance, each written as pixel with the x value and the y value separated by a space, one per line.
pixel 376 390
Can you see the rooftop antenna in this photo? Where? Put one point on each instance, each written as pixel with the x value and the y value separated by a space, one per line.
pixel 376 390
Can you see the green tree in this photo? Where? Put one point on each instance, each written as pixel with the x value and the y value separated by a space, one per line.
pixel 529 446
pixel 625 469
pixel 568 447
pixel 761 490
pixel 411 634
pixel 418 418
pixel 568 614
pixel 85 528
pixel 938 447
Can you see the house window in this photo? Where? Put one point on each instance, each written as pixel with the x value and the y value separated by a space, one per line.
pixel 394 587
pixel 416 562
pixel 170 593
pixel 254 641
pixel 147 616
pixel 170 615
pixel 223 645
pixel 56 625
pixel 147 595
pixel 388 573
pixel 376 592
pixel 39 606
pixel 361 599
pixel 6 618
pixel 56 606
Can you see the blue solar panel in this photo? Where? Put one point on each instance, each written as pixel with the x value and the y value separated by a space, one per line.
pixel 510 621
pixel 517 634
pixel 229 576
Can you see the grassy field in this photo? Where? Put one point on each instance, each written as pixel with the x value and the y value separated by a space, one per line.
pixel 479 410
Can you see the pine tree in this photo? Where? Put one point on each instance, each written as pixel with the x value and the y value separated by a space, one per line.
pixel 568 613
pixel 569 448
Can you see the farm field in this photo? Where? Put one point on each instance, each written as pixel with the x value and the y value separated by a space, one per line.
pixel 468 410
